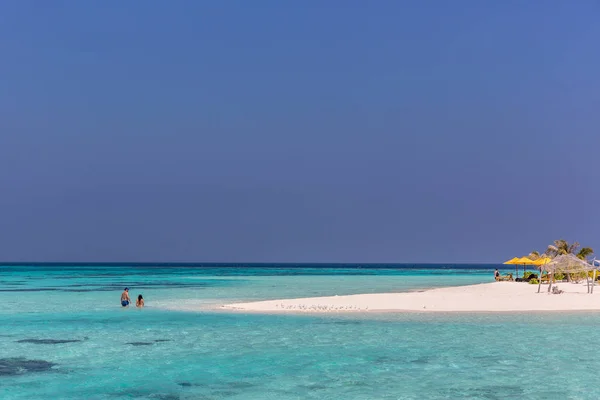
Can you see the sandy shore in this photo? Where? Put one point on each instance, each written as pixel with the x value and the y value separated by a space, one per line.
pixel 487 297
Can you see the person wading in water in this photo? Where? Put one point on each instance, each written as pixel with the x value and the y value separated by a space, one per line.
pixel 140 301
pixel 125 300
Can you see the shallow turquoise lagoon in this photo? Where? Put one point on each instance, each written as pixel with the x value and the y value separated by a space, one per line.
pixel 64 336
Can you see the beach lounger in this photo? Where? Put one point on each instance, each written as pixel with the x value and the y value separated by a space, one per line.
pixel 507 277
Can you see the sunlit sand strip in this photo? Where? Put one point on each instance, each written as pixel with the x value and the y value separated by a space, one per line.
pixel 488 297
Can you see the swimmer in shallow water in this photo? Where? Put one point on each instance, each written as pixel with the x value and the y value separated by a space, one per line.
pixel 139 302
pixel 125 300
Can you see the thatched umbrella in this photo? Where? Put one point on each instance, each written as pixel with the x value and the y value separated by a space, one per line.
pixel 567 263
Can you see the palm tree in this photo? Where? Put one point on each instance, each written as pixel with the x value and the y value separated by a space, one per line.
pixel 585 252
pixel 534 255
pixel 560 247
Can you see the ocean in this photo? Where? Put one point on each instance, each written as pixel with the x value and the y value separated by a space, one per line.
pixel 63 335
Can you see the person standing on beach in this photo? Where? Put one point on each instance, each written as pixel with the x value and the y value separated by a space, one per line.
pixel 125 300
pixel 497 274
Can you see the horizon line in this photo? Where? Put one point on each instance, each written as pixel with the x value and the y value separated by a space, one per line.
pixel 223 263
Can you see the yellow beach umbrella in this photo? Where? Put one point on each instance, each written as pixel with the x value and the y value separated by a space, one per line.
pixel 525 261
pixel 542 261
pixel 514 261
pixel 520 261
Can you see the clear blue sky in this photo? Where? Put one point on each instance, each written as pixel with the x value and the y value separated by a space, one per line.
pixel 331 131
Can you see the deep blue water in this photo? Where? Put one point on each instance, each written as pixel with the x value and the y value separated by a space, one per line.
pixel 63 335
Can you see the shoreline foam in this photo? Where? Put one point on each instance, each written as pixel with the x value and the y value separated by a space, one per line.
pixel 486 297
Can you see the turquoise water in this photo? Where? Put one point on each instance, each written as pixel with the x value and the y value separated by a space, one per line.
pixel 168 352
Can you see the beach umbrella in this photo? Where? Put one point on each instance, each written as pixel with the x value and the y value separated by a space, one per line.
pixel 542 261
pixel 514 261
pixel 520 261
pixel 525 261
pixel 568 263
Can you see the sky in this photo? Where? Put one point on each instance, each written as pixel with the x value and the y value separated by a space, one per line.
pixel 313 131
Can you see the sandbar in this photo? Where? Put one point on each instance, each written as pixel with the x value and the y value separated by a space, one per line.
pixel 486 297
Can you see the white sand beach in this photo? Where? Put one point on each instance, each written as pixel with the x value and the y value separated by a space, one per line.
pixel 487 297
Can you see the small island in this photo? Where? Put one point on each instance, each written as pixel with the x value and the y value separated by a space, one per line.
pixel 564 267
